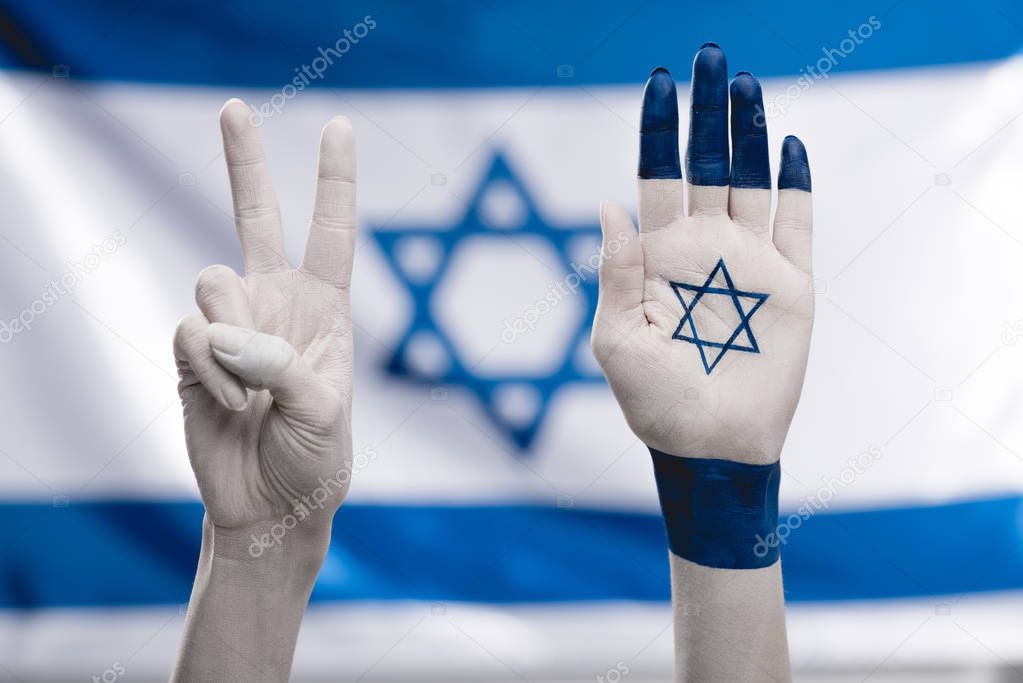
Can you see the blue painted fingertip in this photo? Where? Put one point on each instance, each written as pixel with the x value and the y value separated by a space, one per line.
pixel 658 128
pixel 710 43
pixel 795 169
pixel 707 153
pixel 751 165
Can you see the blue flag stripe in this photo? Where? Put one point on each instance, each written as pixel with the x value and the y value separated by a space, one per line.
pixel 460 44
pixel 144 553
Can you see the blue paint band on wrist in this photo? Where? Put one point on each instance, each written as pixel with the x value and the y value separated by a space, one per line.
pixel 719 513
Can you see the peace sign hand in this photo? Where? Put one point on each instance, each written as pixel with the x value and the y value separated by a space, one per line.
pixel 266 366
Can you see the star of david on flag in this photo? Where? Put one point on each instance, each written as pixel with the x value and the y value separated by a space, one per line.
pixel 529 391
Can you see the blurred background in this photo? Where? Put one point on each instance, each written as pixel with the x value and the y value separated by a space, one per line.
pixel 502 523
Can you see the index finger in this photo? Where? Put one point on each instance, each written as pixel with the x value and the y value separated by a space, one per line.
pixel 256 214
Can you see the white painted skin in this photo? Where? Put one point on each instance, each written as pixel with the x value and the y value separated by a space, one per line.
pixel 729 624
pixel 266 384
pixel 741 410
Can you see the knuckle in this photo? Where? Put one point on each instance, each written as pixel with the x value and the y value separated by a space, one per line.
pixel 329 411
pixel 268 354
pixel 189 329
pixel 280 350
pixel 255 213
pixel 213 279
pixel 189 326
pixel 792 223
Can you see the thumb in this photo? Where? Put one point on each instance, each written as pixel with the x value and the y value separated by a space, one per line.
pixel 620 302
pixel 264 361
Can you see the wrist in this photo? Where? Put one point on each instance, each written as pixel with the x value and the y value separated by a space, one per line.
pixel 719 513
pixel 755 447
pixel 246 607
pixel 274 544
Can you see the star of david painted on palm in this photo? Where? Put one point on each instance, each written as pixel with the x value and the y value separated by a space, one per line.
pixel 754 301
pixel 573 363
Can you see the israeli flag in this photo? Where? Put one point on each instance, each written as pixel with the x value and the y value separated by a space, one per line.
pixel 503 521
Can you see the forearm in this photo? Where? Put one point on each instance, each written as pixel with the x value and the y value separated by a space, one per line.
pixel 729 623
pixel 247 604
pixel 727 598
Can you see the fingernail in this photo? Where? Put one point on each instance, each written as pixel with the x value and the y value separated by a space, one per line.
pixel 745 88
pixel 710 44
pixel 235 397
pixel 234 116
pixel 227 339
pixel 795 169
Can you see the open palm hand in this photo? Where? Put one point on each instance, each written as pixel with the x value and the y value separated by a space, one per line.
pixel 704 321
